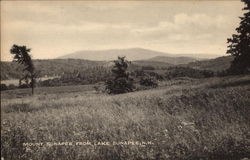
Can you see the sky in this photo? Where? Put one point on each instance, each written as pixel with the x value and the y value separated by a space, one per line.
pixel 55 28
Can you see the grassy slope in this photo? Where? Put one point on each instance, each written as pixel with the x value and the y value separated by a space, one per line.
pixel 185 119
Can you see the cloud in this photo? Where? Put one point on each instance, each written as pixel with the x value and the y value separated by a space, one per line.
pixel 201 20
pixel 57 28
pixel 187 27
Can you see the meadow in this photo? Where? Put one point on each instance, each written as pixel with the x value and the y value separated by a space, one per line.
pixel 183 118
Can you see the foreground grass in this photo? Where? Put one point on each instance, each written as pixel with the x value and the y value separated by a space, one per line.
pixel 182 119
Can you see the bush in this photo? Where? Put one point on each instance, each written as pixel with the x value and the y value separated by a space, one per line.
pixel 155 75
pixel 148 81
pixel 3 87
pixel 24 86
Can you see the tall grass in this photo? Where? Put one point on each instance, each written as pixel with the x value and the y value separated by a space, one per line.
pixel 185 120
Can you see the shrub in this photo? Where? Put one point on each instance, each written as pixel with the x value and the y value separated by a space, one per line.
pixel 148 81
pixel 24 86
pixel 3 87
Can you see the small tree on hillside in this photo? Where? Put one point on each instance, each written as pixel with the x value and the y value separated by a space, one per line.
pixel 21 56
pixel 239 44
pixel 121 82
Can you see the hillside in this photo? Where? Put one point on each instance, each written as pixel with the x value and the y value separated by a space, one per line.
pixel 51 67
pixel 173 60
pixel 217 64
pixel 184 119
pixel 57 67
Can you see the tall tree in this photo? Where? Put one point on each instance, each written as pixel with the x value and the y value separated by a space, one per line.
pixel 239 44
pixel 21 56
pixel 120 82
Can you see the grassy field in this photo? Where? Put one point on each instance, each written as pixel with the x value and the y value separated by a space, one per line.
pixel 181 119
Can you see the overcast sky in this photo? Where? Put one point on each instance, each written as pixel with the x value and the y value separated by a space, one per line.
pixel 53 29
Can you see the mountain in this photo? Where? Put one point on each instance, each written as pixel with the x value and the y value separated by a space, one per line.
pixel 131 54
pixel 173 60
pixel 217 64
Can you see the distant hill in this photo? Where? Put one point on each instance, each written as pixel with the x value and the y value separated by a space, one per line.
pixel 131 54
pixel 173 60
pixel 217 64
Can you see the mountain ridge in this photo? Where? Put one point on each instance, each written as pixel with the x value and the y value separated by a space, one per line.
pixel 131 54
